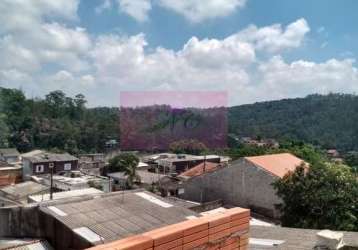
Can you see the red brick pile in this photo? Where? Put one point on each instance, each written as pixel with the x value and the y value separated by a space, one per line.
pixel 227 230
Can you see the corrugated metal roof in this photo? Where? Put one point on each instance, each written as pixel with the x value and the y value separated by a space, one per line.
pixel 24 244
pixel 24 189
pixel 42 156
pixel 118 215
pixel 9 152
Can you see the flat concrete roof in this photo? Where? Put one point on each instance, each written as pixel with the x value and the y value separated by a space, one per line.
pixel 117 215
pixel 64 194
pixel 291 238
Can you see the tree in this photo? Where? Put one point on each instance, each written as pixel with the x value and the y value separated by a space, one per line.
pixel 191 146
pixel 126 163
pixel 4 132
pixel 351 158
pixel 324 196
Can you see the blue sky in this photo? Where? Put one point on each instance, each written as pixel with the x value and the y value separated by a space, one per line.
pixel 256 50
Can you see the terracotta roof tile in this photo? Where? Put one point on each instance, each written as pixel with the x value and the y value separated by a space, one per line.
pixel 277 164
pixel 200 169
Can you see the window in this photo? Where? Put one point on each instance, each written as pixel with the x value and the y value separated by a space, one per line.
pixel 40 168
pixel 67 166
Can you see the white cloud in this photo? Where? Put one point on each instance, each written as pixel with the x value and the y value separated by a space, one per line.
pixel 218 53
pixel 106 4
pixel 274 38
pixel 199 10
pixel 138 9
pixel 279 79
pixel 22 15
pixel 101 66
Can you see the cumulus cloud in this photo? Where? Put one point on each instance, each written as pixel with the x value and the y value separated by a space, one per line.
pixel 138 9
pixel 274 38
pixel 198 10
pixel 22 15
pixel 51 55
pixel 305 77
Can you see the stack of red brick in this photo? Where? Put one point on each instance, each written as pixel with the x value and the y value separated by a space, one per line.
pixel 227 230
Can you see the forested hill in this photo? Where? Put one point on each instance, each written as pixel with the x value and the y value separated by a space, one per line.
pixel 57 122
pixel 64 123
pixel 327 120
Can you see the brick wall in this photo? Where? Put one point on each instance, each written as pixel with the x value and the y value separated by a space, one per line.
pixel 226 230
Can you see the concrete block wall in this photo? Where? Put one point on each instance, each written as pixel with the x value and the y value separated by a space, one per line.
pixel 242 184
pixel 226 230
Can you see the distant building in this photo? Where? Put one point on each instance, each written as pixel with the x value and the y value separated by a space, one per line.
pixel 333 153
pixel 201 168
pixel 182 162
pixel 39 162
pixel 9 155
pixel 74 180
pixel 63 195
pixel 147 179
pixel 246 182
pixel 9 174
pixel 268 142
pixel 91 163
pixel 20 192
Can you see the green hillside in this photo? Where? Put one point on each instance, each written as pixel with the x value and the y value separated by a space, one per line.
pixel 330 121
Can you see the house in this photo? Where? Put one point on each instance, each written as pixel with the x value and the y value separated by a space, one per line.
pixel 333 153
pixel 201 168
pixel 9 174
pixel 174 185
pixel 91 163
pixel 20 192
pixel 40 162
pixel 182 162
pixel 147 179
pixel 9 155
pixel 74 180
pixel 246 183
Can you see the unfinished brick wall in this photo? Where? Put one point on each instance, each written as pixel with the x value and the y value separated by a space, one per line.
pixel 226 230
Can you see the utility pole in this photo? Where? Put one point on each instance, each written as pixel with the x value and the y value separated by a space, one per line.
pixel 51 166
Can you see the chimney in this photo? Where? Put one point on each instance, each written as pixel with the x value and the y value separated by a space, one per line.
pixel 329 240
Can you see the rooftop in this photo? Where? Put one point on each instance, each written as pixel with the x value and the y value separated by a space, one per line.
pixel 22 190
pixel 24 244
pixel 41 156
pixel 277 164
pixel 200 169
pixel 262 237
pixel 116 215
pixel 64 194
pixel 9 152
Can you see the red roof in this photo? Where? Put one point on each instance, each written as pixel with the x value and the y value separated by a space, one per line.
pixel 200 169
pixel 277 164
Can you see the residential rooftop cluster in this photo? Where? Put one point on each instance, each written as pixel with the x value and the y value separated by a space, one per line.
pixel 179 201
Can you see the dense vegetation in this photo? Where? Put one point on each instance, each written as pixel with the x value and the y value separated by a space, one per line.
pixel 57 122
pixel 126 163
pixel 329 121
pixel 64 123
pixel 323 197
